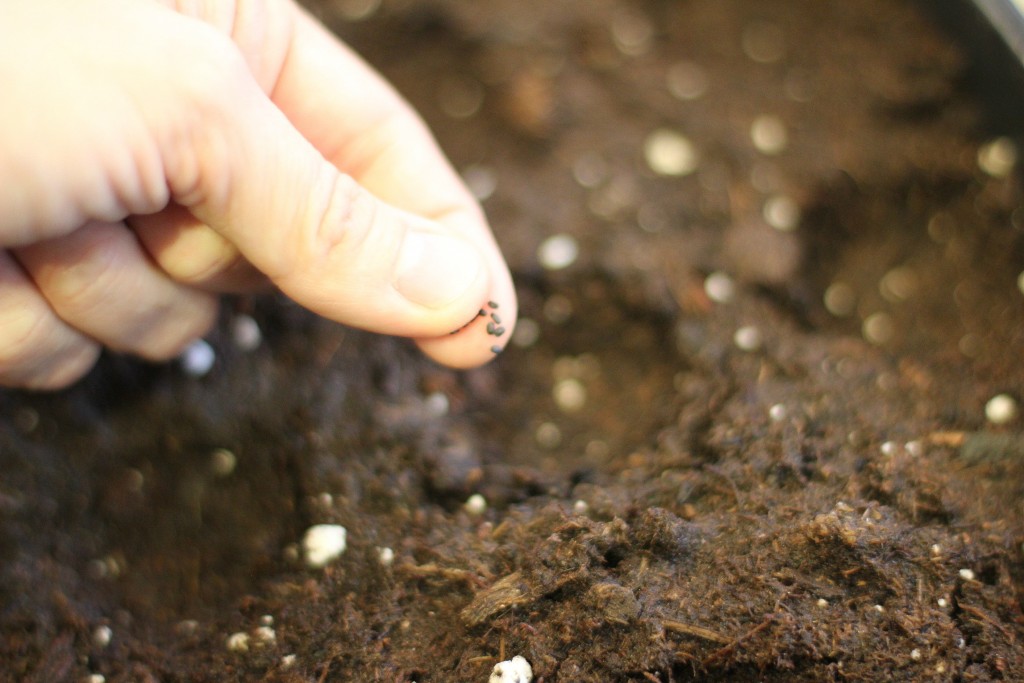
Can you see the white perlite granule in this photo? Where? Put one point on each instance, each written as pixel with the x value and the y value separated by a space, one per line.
pixel 1001 409
pixel 322 544
pixel 669 153
pixel 198 358
pixel 516 670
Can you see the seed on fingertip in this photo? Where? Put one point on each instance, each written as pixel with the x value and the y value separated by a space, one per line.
pixel 495 318
pixel 495 349
pixel 492 304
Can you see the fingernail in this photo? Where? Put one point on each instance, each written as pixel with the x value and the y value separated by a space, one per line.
pixel 436 270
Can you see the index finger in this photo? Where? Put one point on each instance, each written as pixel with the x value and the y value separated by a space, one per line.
pixel 366 129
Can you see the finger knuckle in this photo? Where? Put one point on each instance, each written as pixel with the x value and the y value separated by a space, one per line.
pixel 202 267
pixel 344 218
pixel 64 370
pixel 327 234
pixel 33 355
pixel 219 67
pixel 168 338
pixel 24 340
pixel 91 280
pixel 198 124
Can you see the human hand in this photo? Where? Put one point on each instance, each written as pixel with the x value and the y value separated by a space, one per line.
pixel 156 152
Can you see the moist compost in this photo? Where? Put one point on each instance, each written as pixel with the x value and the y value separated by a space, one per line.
pixel 739 434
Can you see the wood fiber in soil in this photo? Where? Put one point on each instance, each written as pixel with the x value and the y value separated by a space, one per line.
pixel 815 507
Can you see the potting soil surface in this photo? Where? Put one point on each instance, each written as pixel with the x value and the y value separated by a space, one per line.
pixel 767 255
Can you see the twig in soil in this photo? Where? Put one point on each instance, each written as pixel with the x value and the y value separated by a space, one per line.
pixel 954 439
pixel 482 659
pixel 432 570
pixel 981 614
pixel 696 631
pixel 731 647
pixel 327 669
pixel 505 594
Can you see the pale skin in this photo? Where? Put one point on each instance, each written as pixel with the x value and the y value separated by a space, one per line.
pixel 155 153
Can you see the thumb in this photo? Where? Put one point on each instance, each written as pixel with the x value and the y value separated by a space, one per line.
pixel 324 240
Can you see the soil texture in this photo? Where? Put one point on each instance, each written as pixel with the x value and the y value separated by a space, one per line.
pixel 745 430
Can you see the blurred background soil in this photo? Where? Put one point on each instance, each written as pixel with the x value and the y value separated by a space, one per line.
pixel 743 432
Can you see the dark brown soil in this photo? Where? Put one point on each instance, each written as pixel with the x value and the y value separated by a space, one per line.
pixel 815 508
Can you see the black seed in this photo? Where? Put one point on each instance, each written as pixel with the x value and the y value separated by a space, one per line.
pixel 495 349
pixel 492 304
pixel 482 313
pixel 495 318
pixel 500 331
pixel 490 328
